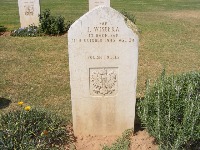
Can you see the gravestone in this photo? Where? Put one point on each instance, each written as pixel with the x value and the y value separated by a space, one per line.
pixel 103 60
pixel 29 11
pixel 95 3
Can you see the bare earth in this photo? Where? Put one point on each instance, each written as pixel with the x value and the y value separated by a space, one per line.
pixel 5 33
pixel 142 141
pixel 139 141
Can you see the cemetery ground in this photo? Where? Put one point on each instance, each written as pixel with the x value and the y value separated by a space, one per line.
pixel 35 69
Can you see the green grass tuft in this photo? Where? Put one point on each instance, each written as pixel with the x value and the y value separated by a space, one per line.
pixel 122 143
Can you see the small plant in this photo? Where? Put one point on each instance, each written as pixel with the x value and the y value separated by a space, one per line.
pixel 2 29
pixel 30 128
pixel 51 25
pixel 122 143
pixel 129 16
pixel 30 31
pixel 68 24
pixel 171 111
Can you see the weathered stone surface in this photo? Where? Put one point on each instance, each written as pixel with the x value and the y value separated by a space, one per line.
pixel 29 11
pixel 95 3
pixel 103 60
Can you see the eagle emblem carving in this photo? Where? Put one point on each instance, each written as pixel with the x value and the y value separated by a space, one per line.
pixel 103 81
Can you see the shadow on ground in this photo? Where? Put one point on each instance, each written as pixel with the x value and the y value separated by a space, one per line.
pixel 4 102
pixel 138 125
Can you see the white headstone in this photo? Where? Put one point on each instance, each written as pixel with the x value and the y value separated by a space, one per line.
pixel 95 3
pixel 103 60
pixel 29 11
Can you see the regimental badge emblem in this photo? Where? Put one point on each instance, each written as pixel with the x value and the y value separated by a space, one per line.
pixel 103 81
pixel 29 10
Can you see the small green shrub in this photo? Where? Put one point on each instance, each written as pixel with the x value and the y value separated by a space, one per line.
pixel 2 29
pixel 129 16
pixel 32 129
pixel 51 25
pixel 122 143
pixel 68 25
pixel 170 111
pixel 31 31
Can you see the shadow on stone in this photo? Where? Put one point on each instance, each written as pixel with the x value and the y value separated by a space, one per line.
pixel 4 102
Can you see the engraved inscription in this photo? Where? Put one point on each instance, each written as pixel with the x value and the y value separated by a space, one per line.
pixel 104 32
pixel 99 3
pixel 103 57
pixel 103 81
pixel 95 3
pixel 29 8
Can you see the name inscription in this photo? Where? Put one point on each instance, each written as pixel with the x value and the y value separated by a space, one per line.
pixel 103 33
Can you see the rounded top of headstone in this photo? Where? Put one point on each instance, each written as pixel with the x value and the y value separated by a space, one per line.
pixel 105 13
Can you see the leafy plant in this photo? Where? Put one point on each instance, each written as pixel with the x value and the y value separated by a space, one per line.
pixel 51 25
pixel 2 29
pixel 68 24
pixel 170 111
pixel 31 31
pixel 29 128
pixel 122 143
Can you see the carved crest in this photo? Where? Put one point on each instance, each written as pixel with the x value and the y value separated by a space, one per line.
pixel 103 81
pixel 29 9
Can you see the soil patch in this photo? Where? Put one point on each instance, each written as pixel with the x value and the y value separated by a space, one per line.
pixel 93 142
pixel 4 33
pixel 141 140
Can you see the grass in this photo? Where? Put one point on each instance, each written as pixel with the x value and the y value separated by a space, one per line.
pixel 73 9
pixel 35 70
